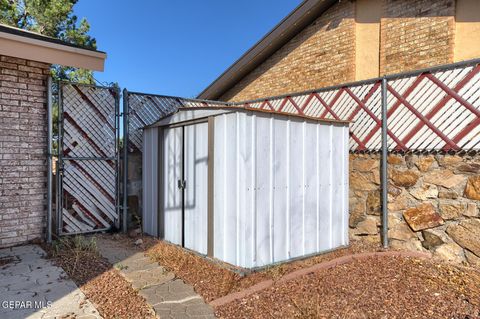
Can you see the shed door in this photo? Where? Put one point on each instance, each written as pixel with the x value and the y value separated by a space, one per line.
pixel 172 194
pixel 185 160
pixel 196 190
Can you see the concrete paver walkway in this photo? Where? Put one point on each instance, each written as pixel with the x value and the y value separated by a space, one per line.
pixel 170 297
pixel 32 287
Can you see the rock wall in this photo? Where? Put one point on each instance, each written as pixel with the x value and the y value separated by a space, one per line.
pixel 433 203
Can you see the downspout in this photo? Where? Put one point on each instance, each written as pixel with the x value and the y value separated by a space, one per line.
pixel 49 159
pixel 384 171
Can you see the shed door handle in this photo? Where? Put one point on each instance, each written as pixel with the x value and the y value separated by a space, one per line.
pixel 181 184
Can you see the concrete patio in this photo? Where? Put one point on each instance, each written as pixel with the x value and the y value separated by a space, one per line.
pixel 33 287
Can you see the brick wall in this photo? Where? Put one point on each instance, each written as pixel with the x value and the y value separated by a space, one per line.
pixel 416 34
pixel 322 54
pixel 23 143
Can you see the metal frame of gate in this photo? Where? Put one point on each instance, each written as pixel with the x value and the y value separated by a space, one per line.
pixel 88 170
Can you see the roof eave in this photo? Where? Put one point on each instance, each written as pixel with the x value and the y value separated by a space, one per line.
pixel 40 50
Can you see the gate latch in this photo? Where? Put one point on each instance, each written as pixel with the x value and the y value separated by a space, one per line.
pixel 182 184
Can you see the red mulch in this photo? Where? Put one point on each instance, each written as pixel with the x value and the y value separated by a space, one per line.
pixel 111 294
pixel 378 287
pixel 214 279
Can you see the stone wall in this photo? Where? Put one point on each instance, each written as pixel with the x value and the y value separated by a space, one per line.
pixel 23 145
pixel 433 203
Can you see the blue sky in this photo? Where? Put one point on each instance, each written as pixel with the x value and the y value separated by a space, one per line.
pixel 176 47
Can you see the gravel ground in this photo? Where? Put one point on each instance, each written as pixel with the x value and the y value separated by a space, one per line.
pixel 378 287
pixel 111 294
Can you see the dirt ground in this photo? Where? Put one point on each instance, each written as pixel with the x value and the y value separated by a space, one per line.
pixel 111 294
pixel 378 287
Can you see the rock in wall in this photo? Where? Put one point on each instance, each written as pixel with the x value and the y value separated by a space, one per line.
pixel 433 203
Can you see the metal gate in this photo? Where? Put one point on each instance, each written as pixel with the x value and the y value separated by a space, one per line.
pixel 88 157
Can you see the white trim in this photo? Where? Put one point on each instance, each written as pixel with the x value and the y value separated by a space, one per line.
pixel 48 52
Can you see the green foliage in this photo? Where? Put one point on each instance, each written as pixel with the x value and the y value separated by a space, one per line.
pixel 53 18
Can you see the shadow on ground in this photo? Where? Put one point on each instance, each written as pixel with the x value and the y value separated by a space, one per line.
pixel 31 286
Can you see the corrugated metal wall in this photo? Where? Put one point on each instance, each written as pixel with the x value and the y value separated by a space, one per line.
pixel 196 190
pixel 172 195
pixel 280 189
pixel 150 181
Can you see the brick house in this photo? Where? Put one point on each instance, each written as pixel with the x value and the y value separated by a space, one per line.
pixel 325 43
pixel 322 43
pixel 25 60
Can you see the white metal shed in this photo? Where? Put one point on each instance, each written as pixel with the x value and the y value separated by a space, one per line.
pixel 250 188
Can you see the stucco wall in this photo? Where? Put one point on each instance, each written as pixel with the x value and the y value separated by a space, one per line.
pixel 368 14
pixel 467 29
pixel 23 145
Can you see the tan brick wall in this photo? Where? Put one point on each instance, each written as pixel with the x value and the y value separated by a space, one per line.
pixel 416 34
pixel 23 143
pixel 322 54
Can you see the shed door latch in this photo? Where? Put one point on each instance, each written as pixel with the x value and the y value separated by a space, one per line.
pixel 182 184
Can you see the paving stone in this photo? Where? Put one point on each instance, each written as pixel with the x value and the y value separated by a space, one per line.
pixel 169 296
pixel 196 310
pixel 142 279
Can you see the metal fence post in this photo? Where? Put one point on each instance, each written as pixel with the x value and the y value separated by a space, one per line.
pixel 49 159
pixel 117 155
pixel 59 161
pixel 125 160
pixel 384 172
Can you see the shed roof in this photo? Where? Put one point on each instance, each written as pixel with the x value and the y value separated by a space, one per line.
pixel 283 32
pixel 37 47
pixel 188 113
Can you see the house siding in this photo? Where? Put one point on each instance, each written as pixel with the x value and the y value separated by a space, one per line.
pixel 23 145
